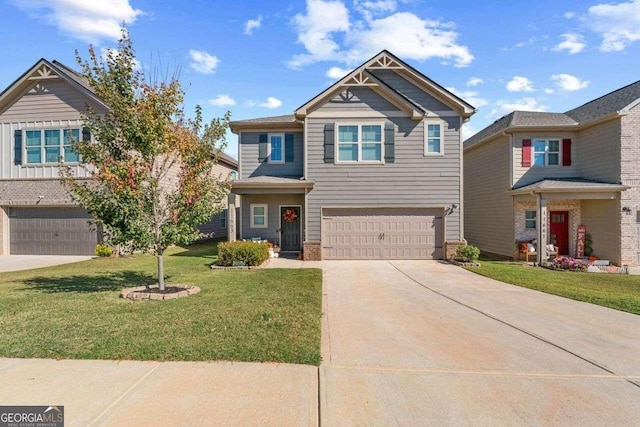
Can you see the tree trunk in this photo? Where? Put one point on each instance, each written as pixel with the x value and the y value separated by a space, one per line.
pixel 160 269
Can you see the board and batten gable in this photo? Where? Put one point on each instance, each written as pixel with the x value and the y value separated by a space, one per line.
pixel 356 99
pixel 252 166
pixel 524 175
pixel 48 104
pixel 411 180
pixel 488 209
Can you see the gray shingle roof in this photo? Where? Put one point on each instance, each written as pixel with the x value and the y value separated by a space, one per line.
pixel 607 104
pixel 273 119
pixel 267 179
pixel 569 184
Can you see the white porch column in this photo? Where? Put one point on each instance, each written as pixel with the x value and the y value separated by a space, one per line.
pixel 543 227
pixel 231 217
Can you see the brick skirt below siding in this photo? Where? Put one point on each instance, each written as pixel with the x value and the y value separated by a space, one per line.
pixel 312 251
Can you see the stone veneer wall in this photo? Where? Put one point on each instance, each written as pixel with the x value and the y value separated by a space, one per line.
pixel 450 248
pixel 32 192
pixel 573 206
pixel 3 226
pixel 312 251
pixel 630 175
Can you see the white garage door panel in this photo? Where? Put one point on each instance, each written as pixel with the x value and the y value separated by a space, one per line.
pixel 382 233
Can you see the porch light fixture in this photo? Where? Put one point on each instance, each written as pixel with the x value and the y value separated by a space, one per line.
pixel 626 209
pixel 450 209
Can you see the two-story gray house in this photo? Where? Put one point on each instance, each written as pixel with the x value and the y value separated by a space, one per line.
pixel 371 168
pixel 40 114
pixel 534 175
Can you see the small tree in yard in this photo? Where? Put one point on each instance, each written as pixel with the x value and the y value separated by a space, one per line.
pixel 150 167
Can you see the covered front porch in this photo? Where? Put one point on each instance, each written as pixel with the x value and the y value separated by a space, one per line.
pixel 272 209
pixel 551 212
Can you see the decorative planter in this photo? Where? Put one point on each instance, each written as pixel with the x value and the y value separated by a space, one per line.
pixel 153 293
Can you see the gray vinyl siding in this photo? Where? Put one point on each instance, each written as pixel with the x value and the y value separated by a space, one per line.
pixel 599 154
pixel 488 209
pixel 250 166
pixel 410 90
pixel 523 175
pixel 274 201
pixel 602 220
pixel 358 99
pixel 49 105
pixel 413 180
pixel 212 229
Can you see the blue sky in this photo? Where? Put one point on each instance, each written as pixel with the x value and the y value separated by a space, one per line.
pixel 263 58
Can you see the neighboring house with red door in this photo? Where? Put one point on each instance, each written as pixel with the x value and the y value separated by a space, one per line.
pixel 368 169
pixel 536 175
pixel 40 114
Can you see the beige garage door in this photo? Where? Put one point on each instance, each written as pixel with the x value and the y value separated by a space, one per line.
pixel 382 233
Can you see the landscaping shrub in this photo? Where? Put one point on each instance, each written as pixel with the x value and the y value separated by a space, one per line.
pixel 242 253
pixel 566 263
pixel 103 250
pixel 467 253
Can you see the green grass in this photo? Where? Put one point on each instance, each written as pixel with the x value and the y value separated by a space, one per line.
pixel 618 291
pixel 74 311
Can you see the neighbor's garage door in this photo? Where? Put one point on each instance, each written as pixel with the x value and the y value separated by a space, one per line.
pixel 382 233
pixel 51 231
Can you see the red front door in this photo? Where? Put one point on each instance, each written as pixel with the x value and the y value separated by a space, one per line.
pixel 559 230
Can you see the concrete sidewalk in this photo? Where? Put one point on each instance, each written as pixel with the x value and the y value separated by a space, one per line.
pixel 28 262
pixel 129 393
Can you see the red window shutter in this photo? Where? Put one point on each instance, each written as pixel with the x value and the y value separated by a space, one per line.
pixel 566 152
pixel 526 152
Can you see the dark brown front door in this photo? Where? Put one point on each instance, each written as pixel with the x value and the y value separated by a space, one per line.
pixel 290 228
pixel 560 230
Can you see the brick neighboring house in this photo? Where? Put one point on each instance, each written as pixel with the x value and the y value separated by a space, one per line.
pixel 370 168
pixel 576 168
pixel 38 112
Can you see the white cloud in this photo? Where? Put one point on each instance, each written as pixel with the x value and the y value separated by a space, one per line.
pixel 89 21
pixel 252 24
pixel 503 107
pixel 569 15
pixel 271 103
pixel 106 53
pixel 203 62
pixel 221 100
pixel 572 43
pixel 618 24
pixel 549 91
pixel 337 72
pixel 378 6
pixel 405 34
pixel 569 83
pixel 468 130
pixel 474 81
pixel 471 96
pixel 520 84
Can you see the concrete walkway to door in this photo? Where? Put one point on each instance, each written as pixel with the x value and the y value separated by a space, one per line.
pixel 425 343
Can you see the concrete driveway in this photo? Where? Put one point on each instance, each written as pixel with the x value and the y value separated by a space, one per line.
pixel 28 262
pixel 425 343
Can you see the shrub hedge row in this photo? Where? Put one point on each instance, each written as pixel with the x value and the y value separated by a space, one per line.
pixel 242 253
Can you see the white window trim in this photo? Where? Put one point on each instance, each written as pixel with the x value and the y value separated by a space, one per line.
pixel 266 215
pixel 233 175
pixel 43 146
pixel 546 152
pixel 535 220
pixel 336 154
pixel 223 217
pixel 282 150
pixel 443 126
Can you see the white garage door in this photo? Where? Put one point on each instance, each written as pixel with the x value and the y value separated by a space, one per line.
pixel 382 233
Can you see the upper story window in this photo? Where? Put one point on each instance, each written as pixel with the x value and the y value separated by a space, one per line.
pixel 233 175
pixel 359 143
pixel 546 152
pixel 433 137
pixel 276 148
pixel 50 146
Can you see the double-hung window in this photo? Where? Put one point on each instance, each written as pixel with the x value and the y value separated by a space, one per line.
pixel 51 146
pixel 223 218
pixel 276 148
pixel 433 137
pixel 546 152
pixel 259 216
pixel 359 143
pixel 530 220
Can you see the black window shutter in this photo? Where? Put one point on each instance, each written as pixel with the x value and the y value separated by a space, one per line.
pixel 389 142
pixel 86 134
pixel 17 147
pixel 329 142
pixel 262 147
pixel 288 147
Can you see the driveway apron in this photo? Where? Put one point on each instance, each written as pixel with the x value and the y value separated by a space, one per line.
pixel 422 342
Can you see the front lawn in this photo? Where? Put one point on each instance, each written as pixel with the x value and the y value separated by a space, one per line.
pixel 74 311
pixel 619 291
